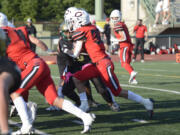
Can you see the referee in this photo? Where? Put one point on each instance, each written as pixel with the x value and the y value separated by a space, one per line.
pixel 141 35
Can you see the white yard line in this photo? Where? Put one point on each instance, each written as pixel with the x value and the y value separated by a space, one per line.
pixel 19 125
pixel 146 69
pixel 149 88
pixel 142 87
pixel 158 70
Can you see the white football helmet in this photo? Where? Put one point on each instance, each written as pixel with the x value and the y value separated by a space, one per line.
pixel 69 11
pixel 67 16
pixel 3 20
pixel 77 19
pixel 115 16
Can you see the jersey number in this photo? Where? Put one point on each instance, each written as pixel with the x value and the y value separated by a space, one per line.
pixel 96 36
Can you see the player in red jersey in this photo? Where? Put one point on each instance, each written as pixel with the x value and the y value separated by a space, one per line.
pixel 122 34
pixel 35 72
pixel 87 38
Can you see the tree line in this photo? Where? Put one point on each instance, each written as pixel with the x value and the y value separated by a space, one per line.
pixel 49 10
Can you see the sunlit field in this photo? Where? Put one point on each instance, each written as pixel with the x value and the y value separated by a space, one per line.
pixel 157 80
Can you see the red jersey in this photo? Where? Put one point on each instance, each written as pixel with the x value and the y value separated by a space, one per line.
pixel 18 49
pixel 120 26
pixel 140 30
pixel 93 44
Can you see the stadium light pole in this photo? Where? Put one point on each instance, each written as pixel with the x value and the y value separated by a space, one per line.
pixel 99 9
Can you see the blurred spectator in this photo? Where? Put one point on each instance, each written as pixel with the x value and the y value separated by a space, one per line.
pixel 107 33
pixel 166 12
pixel 158 10
pixel 163 50
pixel 141 36
pixel 152 48
pixel 176 49
pixel 31 31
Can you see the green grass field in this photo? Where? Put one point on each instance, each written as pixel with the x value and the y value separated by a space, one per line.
pixel 158 80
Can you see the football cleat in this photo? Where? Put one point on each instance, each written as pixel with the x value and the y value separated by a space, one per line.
pixel 53 108
pixel 32 108
pixel 142 61
pixel 115 107
pixel 132 76
pixel 133 60
pixel 24 131
pixel 134 82
pixel 88 120
pixel 149 105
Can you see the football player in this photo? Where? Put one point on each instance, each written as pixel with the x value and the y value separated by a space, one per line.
pixel 125 50
pixel 35 72
pixel 72 65
pixel 86 37
pixel 10 80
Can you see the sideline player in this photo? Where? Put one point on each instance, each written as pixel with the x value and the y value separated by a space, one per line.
pixel 10 80
pixel 35 72
pixel 87 38
pixel 122 34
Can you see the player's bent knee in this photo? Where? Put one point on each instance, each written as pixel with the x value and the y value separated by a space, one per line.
pixel 58 102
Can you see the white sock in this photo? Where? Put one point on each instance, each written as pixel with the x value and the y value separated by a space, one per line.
pixel 112 96
pixel 134 97
pixel 70 108
pixel 21 107
pixel 83 96
pixel 60 94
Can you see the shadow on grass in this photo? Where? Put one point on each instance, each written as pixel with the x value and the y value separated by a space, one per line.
pixel 166 113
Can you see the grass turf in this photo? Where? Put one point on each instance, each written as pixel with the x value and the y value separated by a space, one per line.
pixel 157 75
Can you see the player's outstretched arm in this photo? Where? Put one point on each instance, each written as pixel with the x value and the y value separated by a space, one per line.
pixel 41 45
pixel 38 43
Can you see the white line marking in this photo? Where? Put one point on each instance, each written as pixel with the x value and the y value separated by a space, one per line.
pixel 158 70
pixel 161 70
pixel 148 88
pixel 19 125
pixel 142 87
pixel 140 121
